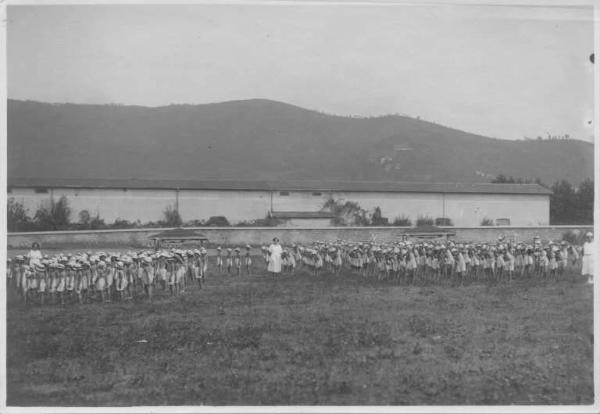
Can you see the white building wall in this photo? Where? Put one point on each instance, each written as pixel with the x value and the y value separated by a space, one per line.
pixel 299 200
pixel 521 209
pixel 149 205
pixel 109 204
pixel 234 205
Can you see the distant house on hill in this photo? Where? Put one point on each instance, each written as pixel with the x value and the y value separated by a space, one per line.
pixel 295 202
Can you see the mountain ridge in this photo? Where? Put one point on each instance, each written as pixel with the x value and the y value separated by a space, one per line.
pixel 261 139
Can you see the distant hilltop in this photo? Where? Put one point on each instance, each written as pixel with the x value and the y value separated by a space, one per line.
pixel 268 140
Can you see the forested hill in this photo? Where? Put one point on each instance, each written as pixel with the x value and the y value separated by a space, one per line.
pixel 262 139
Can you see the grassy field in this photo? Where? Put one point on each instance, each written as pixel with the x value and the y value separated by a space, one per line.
pixel 304 340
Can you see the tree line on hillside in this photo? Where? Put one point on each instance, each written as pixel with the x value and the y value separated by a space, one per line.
pixel 549 137
pixel 569 204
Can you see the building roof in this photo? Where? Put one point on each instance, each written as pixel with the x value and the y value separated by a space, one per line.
pixel 288 185
pixel 302 215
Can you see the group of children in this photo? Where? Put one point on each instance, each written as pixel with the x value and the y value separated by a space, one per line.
pixel 436 262
pixel 89 277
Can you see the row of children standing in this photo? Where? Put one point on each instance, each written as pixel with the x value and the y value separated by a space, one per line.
pixel 106 277
pixel 431 262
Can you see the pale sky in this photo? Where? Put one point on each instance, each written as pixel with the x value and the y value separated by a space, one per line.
pixel 499 71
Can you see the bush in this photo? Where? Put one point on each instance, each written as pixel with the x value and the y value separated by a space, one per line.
pixel 152 225
pixel 53 215
pixel 84 218
pixel 97 223
pixel 424 221
pixel 121 224
pixel 443 221
pixel 402 221
pixel 17 218
pixel 217 221
pixel 487 222
pixel 347 213
pixel 87 222
pixel 172 217
pixel 377 219
pixel 194 223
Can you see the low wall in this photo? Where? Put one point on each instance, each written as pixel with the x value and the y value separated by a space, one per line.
pixel 139 238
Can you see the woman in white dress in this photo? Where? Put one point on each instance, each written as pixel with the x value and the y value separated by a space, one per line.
pixel 275 250
pixel 35 254
pixel 587 262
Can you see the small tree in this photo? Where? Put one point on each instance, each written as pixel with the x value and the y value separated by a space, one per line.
pixel 562 202
pixel 487 221
pixel 17 218
pixel 97 223
pixel 402 221
pixel 172 217
pixel 53 215
pixel 584 202
pixel 84 219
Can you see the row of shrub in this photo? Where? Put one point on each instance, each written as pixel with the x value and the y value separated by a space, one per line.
pixel 56 215
pixel 350 213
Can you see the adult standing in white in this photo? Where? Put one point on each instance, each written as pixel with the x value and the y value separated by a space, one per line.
pixel 587 261
pixel 275 250
pixel 35 254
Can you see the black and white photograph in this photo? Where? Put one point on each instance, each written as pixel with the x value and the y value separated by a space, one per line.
pixel 300 205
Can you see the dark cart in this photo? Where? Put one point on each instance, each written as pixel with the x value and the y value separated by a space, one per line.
pixel 428 232
pixel 177 238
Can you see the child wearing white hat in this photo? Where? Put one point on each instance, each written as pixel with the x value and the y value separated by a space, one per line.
pixel 70 280
pixel 41 275
pixel 121 280
pixel 197 267
pixel 237 261
pixel 229 260
pixel 247 259
pixel 147 275
pixel 219 260
pixel 101 285
pixel 177 275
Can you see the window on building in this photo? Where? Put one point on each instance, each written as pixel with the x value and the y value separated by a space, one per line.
pixel 284 193
pixel 316 193
pixel 41 190
pixel 503 222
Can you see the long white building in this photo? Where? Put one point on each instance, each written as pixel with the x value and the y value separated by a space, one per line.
pixel 145 200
